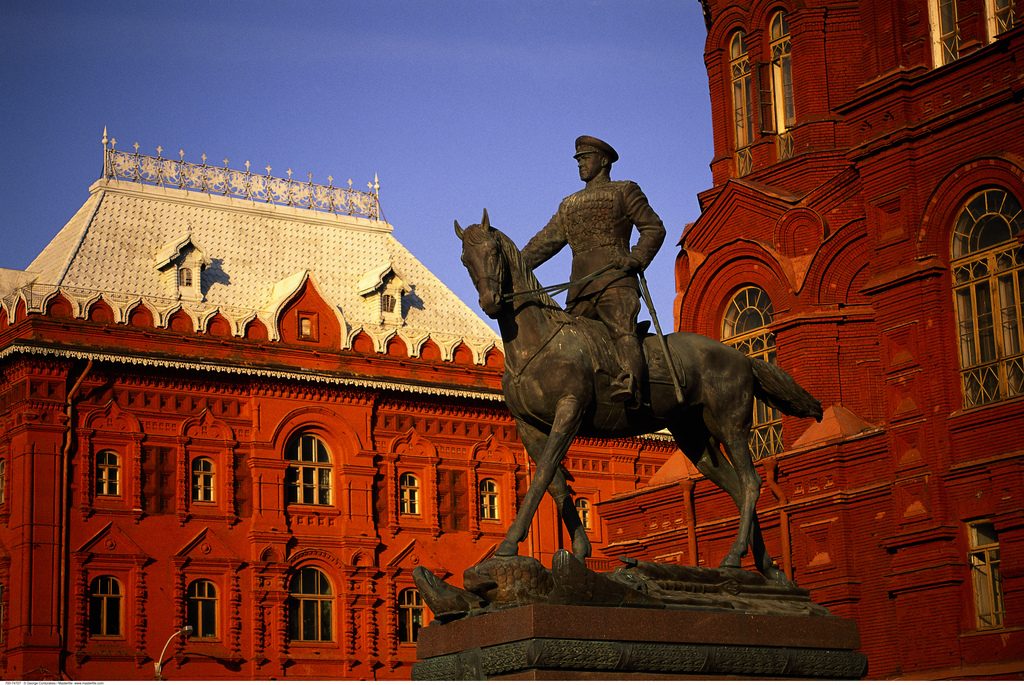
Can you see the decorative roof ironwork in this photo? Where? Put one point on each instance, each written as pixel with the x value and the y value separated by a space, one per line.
pixel 222 180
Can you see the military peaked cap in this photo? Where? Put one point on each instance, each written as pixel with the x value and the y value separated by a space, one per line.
pixel 592 144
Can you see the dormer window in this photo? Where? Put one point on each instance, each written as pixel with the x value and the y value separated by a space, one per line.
pixel 383 290
pixel 181 264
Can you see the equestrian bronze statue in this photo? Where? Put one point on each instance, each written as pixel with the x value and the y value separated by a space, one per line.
pixel 560 382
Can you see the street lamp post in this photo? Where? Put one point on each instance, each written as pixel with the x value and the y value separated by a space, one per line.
pixel 158 666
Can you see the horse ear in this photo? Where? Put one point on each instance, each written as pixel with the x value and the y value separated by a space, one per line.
pixel 485 222
pixel 458 229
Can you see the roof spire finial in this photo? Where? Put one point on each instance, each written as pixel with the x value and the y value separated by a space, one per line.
pixel 104 141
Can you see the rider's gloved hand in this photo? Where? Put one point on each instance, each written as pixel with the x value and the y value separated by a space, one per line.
pixel 628 263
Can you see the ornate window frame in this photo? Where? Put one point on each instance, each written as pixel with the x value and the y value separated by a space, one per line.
pixel 410 490
pixel 490 500
pixel 746 326
pixel 783 109
pixel 202 605
pixel 105 598
pixel 988 295
pixel 986 579
pixel 411 612
pixel 310 590
pixel 999 18
pixel 945 34
pixel 742 101
pixel 308 477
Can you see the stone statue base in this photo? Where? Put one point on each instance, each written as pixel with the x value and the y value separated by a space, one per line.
pixel 515 619
pixel 560 642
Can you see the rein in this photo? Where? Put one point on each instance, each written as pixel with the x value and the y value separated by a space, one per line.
pixel 557 288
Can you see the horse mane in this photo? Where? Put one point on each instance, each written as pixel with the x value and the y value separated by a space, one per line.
pixel 528 281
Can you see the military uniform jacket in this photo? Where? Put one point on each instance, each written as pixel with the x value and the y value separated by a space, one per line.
pixel 597 223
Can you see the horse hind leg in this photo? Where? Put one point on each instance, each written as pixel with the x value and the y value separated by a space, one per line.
pixel 695 440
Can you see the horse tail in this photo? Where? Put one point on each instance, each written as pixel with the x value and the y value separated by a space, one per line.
pixel 777 388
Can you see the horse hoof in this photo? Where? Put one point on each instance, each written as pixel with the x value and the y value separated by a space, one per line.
pixel 507 549
pixel 731 561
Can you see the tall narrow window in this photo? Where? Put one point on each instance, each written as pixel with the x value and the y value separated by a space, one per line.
pixel 185 277
pixel 3 612
pixel 310 606
pixel 410 615
pixel 489 500
pixel 945 37
pixel 108 473
pixel 105 598
pixel 409 494
pixel 999 17
pixel 202 480
pixel 308 478
pixel 583 509
pixel 782 84
pixel 988 291
pixel 201 609
pixel 3 481
pixel 983 557
pixel 746 328
pixel 743 109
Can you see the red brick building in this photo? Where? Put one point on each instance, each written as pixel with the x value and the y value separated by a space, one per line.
pixel 864 228
pixel 236 402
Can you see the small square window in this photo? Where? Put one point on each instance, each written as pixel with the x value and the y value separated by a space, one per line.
pixel 309 328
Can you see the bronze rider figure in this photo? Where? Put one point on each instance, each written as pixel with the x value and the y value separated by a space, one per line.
pixel 597 224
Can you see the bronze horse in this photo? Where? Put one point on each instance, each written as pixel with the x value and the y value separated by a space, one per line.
pixel 557 370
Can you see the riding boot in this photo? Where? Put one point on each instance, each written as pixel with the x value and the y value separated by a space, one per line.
pixel 626 388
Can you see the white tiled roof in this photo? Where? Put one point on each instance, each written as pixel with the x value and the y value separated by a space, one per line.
pixel 112 245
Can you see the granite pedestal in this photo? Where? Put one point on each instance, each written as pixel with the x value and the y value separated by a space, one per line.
pixel 572 642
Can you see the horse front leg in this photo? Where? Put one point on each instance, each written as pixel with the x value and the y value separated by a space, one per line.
pixel 568 416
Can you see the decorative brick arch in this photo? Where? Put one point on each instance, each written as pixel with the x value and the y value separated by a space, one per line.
pixel 762 11
pixel 413 444
pixel 732 19
pixel 722 273
pixel 838 264
pixel 1006 171
pixel 330 423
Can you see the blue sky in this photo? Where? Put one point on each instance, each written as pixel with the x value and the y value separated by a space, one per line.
pixel 456 105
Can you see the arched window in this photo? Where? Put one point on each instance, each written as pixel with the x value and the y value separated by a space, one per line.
pixel 310 606
pixel 988 288
pixel 410 615
pixel 409 494
pixel 945 36
pixel 583 509
pixel 489 500
pixel 184 278
pixel 308 479
pixel 782 84
pixel 105 599
pixel 201 610
pixel 202 480
pixel 742 103
pixel 746 328
pixel 108 473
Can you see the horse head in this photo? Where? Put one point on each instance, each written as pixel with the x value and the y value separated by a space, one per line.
pixel 483 258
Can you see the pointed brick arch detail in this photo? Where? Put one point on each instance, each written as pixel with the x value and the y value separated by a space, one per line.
pixel 112 418
pixel 100 312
